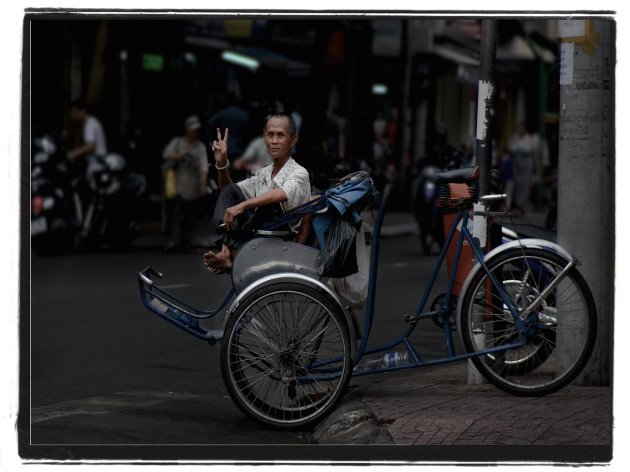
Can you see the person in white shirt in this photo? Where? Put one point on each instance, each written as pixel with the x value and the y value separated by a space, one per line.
pixel 284 181
pixel 255 156
pixel 94 143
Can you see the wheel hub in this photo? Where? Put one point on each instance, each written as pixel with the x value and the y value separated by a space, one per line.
pixel 287 358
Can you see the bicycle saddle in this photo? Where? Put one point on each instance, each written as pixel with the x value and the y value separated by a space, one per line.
pixel 466 175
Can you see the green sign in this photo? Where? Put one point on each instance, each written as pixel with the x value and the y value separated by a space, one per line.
pixel 153 62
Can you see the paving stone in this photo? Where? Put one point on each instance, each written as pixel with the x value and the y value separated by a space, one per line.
pixel 437 407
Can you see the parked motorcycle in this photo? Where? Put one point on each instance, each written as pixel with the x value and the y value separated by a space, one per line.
pixel 111 216
pixel 425 195
pixel 55 204
pixel 427 214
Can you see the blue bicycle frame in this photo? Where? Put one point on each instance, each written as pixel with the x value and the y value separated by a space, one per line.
pixel 461 221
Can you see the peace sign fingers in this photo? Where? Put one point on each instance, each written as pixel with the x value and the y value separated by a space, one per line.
pixel 224 138
pixel 219 147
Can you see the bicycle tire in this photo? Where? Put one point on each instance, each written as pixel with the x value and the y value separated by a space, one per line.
pixel 286 355
pixel 545 362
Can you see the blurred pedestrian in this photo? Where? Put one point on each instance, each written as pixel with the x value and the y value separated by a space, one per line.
pixel 86 157
pixel 506 175
pixel 391 133
pixel 233 116
pixel 443 154
pixel 187 156
pixel 254 158
pixel 335 134
pixel 523 147
pixel 379 143
pixel 94 145
pixel 297 118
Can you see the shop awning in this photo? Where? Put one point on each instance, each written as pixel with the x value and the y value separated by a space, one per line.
pixel 456 55
pixel 265 57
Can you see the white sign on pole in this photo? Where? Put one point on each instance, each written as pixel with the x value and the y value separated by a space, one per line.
pixel 571 28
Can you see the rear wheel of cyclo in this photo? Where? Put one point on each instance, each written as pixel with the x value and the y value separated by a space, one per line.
pixel 286 355
pixel 561 330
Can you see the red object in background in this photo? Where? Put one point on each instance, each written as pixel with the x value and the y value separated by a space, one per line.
pixel 37 205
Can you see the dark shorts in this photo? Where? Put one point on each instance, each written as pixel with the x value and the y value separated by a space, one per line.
pixel 245 224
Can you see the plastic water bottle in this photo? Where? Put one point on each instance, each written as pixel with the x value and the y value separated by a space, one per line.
pixel 391 359
pixel 395 359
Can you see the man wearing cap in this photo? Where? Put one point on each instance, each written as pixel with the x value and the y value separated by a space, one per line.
pixel 187 155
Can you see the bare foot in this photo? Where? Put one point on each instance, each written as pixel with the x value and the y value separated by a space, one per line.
pixel 218 263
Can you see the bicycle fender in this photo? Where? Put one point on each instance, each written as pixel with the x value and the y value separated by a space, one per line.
pixel 300 279
pixel 529 243
pixel 532 243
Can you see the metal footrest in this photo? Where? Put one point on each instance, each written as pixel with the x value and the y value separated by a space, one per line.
pixel 177 312
pixel 215 335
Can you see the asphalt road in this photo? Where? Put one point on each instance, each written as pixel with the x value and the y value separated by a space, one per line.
pixel 105 371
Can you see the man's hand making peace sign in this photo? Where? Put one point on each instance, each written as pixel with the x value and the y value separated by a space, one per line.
pixel 219 148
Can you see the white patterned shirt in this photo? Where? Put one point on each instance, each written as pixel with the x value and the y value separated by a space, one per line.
pixel 292 178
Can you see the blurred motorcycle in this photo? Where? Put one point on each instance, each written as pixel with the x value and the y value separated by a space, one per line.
pixel 111 215
pixel 427 214
pixel 442 157
pixel 55 204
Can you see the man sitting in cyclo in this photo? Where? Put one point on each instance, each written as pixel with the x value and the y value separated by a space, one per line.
pixel 284 183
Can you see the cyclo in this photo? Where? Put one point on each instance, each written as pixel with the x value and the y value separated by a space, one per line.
pixel 289 345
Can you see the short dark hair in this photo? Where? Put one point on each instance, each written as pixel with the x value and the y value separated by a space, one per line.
pixel 292 124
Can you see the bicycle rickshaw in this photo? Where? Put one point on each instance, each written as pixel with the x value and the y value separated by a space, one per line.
pixel 289 343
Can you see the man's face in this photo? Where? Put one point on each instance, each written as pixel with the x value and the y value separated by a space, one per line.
pixel 192 134
pixel 278 138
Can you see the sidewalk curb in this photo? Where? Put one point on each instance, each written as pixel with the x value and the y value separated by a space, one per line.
pixel 351 423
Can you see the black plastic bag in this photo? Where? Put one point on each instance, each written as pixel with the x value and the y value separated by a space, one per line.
pixel 339 256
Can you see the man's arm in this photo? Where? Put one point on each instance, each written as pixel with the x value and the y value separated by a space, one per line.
pixel 81 151
pixel 219 149
pixel 267 198
pixel 224 176
pixel 170 153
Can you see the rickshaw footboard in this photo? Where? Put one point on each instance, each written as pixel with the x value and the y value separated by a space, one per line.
pixel 167 306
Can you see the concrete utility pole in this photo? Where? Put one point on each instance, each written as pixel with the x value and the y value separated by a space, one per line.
pixel 485 111
pixel 586 185
pixel 485 100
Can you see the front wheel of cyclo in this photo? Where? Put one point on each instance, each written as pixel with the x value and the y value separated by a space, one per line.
pixel 558 336
pixel 286 355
